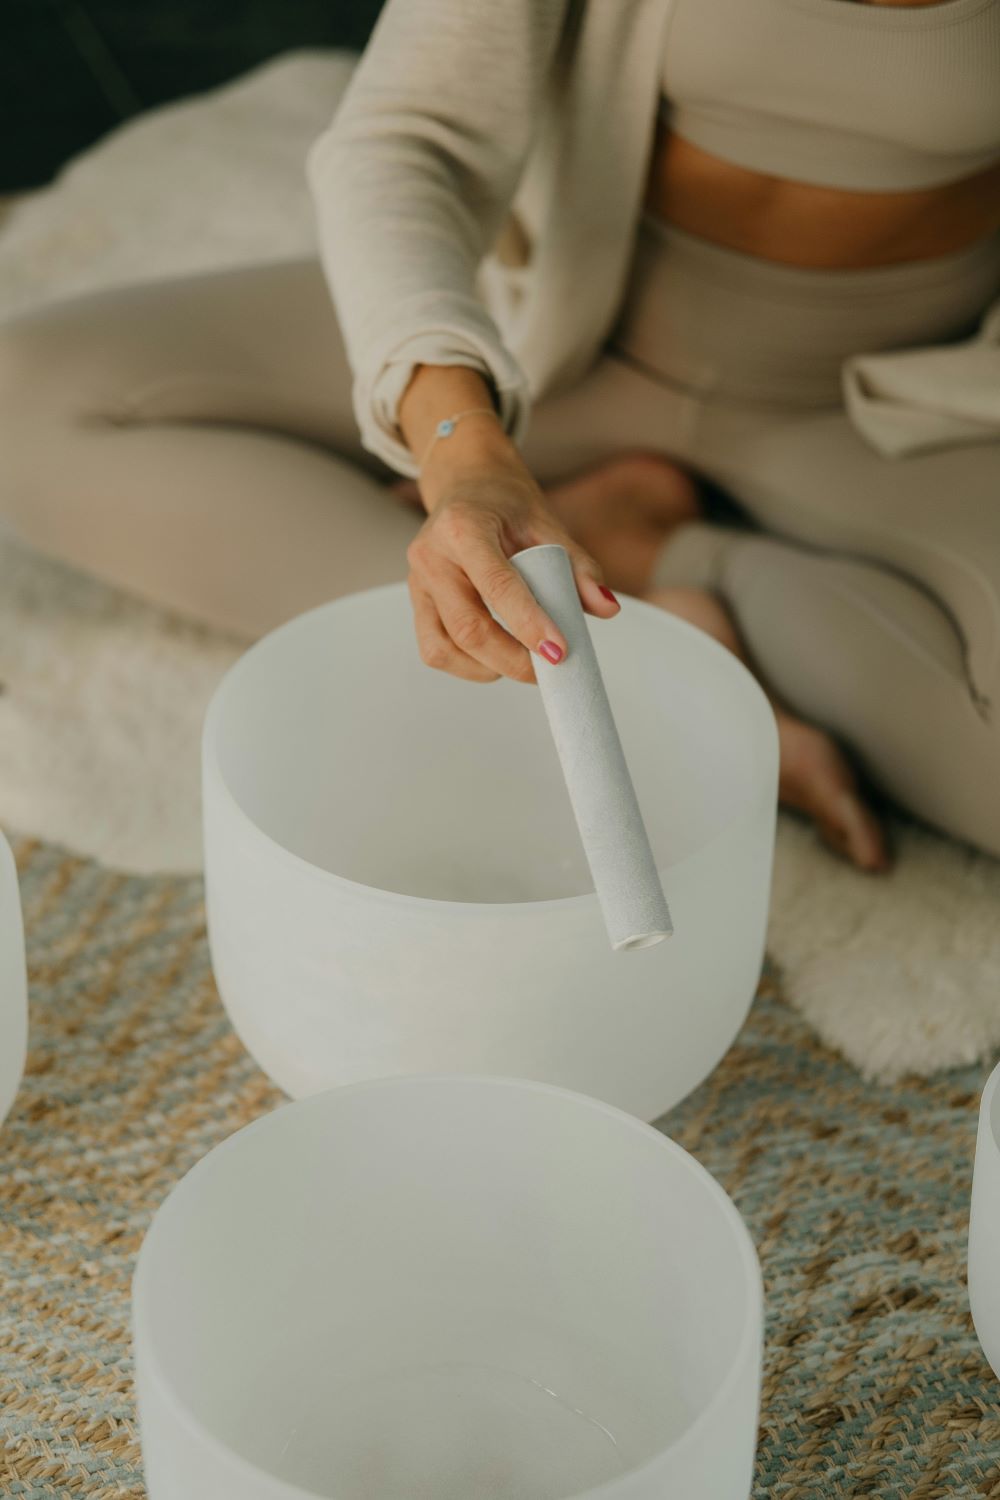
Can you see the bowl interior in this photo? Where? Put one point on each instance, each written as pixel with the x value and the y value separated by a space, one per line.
pixel 436 1288
pixel 340 745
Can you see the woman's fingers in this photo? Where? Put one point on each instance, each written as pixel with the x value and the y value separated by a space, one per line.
pixel 460 561
pixel 436 647
pixel 594 595
pixel 501 586
pixel 475 615
pixel 474 631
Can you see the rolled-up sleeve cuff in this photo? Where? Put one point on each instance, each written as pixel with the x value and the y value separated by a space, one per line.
pixel 378 392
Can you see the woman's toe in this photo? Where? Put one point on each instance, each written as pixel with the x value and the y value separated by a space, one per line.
pixel 854 831
pixel 816 778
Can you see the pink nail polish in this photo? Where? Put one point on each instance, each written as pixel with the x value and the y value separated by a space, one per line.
pixel 551 651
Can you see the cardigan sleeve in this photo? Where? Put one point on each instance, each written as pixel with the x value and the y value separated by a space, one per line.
pixel 411 182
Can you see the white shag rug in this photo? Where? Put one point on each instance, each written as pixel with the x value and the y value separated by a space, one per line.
pixel 102 696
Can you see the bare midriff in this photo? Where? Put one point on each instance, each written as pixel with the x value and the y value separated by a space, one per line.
pixel 801 224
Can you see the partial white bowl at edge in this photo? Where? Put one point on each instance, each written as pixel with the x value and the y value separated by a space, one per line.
pixel 984 1225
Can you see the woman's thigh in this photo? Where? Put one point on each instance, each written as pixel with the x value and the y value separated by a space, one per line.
pixel 257 346
pixel 193 441
pixel 934 517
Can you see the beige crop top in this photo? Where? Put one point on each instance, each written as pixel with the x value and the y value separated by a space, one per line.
pixel 838 93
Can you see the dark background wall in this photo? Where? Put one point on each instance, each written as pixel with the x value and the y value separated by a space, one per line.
pixel 72 69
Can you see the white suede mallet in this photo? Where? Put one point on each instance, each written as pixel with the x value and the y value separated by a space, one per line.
pixel 593 762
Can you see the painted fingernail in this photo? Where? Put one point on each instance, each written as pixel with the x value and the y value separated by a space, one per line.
pixel 607 593
pixel 550 651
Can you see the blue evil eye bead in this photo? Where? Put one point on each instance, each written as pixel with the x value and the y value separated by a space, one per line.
pixel 446 427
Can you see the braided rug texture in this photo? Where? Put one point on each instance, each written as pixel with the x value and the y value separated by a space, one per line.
pixel 856 1196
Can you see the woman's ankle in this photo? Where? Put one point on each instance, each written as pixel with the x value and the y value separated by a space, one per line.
pixel 692 556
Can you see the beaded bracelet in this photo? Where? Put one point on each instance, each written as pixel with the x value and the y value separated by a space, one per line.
pixel 447 426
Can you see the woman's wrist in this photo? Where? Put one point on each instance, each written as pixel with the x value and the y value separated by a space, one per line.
pixel 477 445
pixel 483 451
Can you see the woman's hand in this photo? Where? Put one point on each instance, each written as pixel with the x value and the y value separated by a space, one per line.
pixel 484 512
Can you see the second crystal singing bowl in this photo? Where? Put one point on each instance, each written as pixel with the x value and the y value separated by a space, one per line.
pixel 395 882
pixel 447 1289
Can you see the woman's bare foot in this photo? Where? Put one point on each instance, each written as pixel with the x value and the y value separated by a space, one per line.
pixel 621 511
pixel 815 776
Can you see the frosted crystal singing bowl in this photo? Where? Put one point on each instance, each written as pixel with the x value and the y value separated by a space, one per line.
pixel 984 1226
pixel 13 982
pixel 395 882
pixel 445 1289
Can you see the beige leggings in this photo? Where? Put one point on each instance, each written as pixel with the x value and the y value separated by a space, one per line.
pixel 193 441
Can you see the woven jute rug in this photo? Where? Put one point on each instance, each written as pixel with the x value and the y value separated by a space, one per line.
pixel 856 1196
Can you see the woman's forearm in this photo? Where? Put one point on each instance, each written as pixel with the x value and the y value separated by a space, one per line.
pixel 411 182
pixel 477 444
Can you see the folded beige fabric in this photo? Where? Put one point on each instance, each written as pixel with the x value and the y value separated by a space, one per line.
pixel 916 399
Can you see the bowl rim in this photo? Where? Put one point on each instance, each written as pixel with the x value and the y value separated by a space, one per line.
pixel 988 1108
pixel 212 772
pixel 751 1333
pixel 12 937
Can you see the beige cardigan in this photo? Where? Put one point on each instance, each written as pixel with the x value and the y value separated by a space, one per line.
pixel 477 195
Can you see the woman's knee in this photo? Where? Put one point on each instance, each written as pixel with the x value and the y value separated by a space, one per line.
pixel 19 364
pixel 48 399
pixel 29 419
pixel 43 364
pixel 82 358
